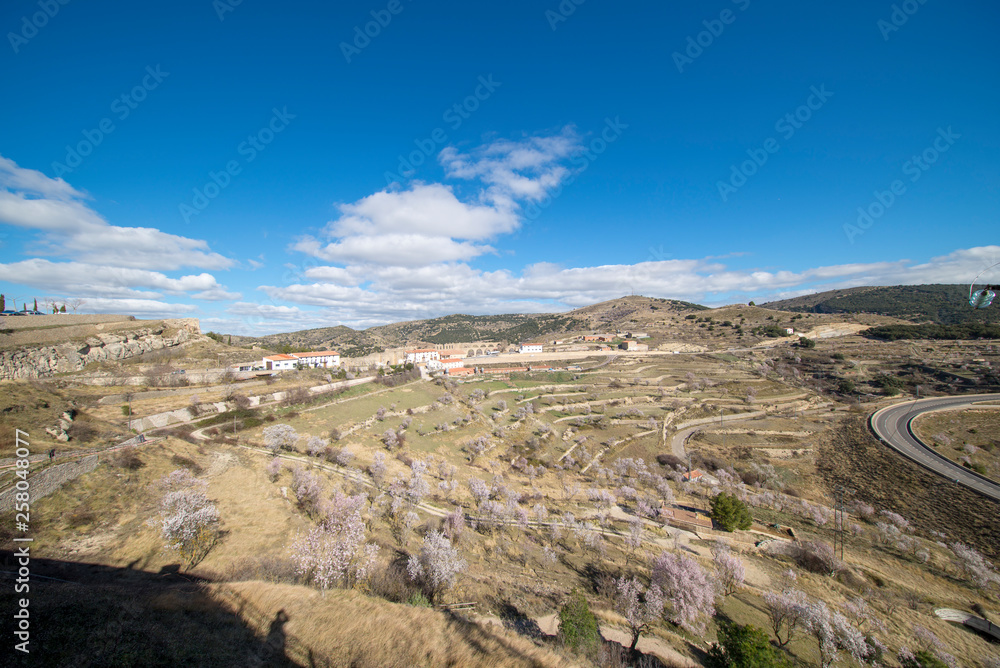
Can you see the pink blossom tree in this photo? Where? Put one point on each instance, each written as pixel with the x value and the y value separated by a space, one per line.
pixel 639 606
pixel 274 469
pixel 334 551
pixel 687 591
pixel 316 445
pixel 377 470
pixel 188 520
pixel 633 538
pixel 280 437
pixel 729 570
pixel 308 490
pixel 785 612
pixel 480 491
pixel 436 566
pixel 974 566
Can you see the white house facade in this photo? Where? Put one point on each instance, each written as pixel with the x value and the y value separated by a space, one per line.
pixel 279 362
pixel 423 355
pixel 531 347
pixel 325 359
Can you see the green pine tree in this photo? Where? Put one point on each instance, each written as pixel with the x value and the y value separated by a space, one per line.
pixel 3 304
pixel 730 513
pixel 577 624
pixel 36 304
pixel 743 647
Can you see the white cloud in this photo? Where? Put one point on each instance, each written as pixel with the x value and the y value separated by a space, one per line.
pixel 426 224
pixel 87 280
pixel 425 209
pixel 515 170
pixel 405 250
pixel 143 308
pixel 70 228
pixel 391 294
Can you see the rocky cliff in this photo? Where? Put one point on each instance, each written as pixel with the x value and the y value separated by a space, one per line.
pixel 41 361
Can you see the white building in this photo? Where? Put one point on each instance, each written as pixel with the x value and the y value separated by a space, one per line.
pixel 279 362
pixel 325 359
pixel 531 347
pixel 423 355
pixel 445 364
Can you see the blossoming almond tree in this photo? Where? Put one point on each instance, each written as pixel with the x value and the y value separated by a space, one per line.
pixel 686 589
pixel 334 551
pixel 436 566
pixel 639 606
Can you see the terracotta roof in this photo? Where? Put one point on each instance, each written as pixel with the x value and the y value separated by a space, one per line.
pixel 279 358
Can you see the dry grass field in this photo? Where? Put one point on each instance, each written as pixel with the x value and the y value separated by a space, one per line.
pixel 970 437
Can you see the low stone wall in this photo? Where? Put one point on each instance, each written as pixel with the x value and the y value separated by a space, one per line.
pixel 48 480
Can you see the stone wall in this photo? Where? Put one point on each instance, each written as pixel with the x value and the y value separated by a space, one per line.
pixel 48 480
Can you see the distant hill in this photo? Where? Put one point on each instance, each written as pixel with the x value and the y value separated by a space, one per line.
pixel 627 312
pixel 940 304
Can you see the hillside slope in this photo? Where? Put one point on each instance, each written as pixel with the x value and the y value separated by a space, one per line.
pixel 942 304
pixel 626 312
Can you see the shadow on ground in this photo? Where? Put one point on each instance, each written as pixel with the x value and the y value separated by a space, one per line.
pixel 83 614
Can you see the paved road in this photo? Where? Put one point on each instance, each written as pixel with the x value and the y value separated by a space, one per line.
pixel 893 427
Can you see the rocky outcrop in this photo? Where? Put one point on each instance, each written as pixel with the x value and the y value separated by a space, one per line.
pixel 41 361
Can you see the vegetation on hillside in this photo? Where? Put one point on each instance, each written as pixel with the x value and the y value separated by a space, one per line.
pixel 942 304
pixel 965 331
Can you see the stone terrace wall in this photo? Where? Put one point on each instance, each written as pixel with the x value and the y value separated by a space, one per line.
pixel 49 480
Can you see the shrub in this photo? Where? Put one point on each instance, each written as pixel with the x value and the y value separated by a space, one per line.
pixel 670 461
pixel 187 463
pixel 126 458
pixel 578 627
pixel 418 600
pixel 922 659
pixel 730 513
pixel 743 647
pixel 816 557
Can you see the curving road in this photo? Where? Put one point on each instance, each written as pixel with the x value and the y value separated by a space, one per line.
pixel 892 425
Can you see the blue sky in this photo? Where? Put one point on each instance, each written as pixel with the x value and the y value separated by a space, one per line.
pixel 269 167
